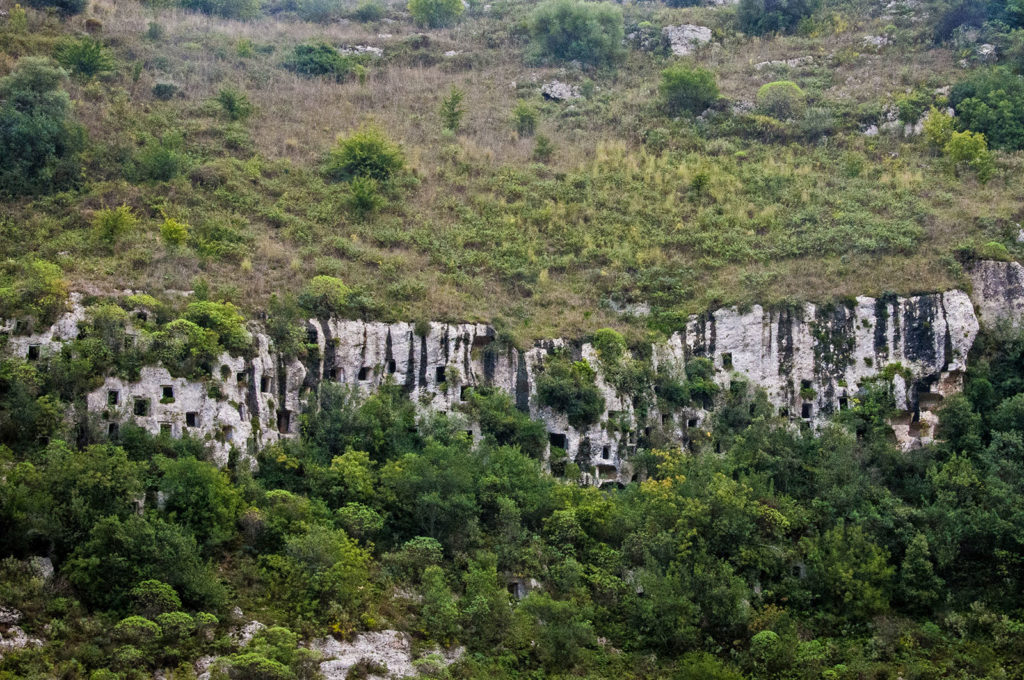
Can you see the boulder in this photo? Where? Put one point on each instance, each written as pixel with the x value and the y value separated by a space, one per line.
pixel 559 91
pixel 685 39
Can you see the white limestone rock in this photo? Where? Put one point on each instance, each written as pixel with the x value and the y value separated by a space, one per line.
pixel 14 639
pixel 795 62
pixel 684 40
pixel 388 648
pixel 997 290
pixel 559 91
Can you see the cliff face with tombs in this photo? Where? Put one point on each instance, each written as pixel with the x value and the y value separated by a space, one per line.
pixel 810 360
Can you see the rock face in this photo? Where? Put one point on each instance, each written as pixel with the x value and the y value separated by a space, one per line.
pixel 558 91
pixel 685 39
pixel 387 649
pixel 998 292
pixel 810 360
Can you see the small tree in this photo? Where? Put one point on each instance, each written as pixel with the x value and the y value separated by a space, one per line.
pixel 452 110
pixel 234 103
pixel 938 128
pixel 782 99
pixel 524 116
pixel 367 152
pixel 439 616
pixel 174 233
pixel 687 90
pixel 85 58
pixel 971 150
pixel 568 30
pixel 435 13
pixel 325 296
pixel 111 224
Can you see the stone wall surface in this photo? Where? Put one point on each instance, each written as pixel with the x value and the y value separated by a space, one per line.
pixel 810 360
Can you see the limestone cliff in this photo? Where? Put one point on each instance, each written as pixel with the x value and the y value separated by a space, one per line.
pixel 809 359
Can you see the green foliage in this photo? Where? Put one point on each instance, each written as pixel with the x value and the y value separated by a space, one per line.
pixel 851 572
pixel 84 58
pixel 365 196
pixel 569 386
pixel 970 150
pixel 758 17
pixel 439 614
pixel 569 30
pixel 33 288
pixel 313 59
pixel 228 9
pixel 224 319
pixel 368 11
pixel 990 101
pixel 325 296
pixel 366 152
pixel 39 147
pixel 435 13
pixel 160 159
pixel 234 103
pixel 174 233
pixel 153 597
pixel 685 89
pixel 200 497
pixel 320 11
pixel 938 128
pixel 782 99
pixel 543 149
pixel 111 225
pixel 524 119
pixel 452 110
pixel 501 421
pixel 64 7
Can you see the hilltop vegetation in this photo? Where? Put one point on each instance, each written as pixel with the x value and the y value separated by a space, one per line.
pixel 738 174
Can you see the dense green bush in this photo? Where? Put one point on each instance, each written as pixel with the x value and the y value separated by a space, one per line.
pixel 368 11
pixel 569 386
pixel 367 152
pixel 569 30
pixel 435 13
pixel 320 59
pixel 228 9
pixel 160 158
pixel 524 118
pixel 65 7
pixel 991 101
pixel 325 296
pixel 782 99
pixel 970 150
pixel 85 58
pixel 758 17
pixel 224 319
pixel 39 146
pixel 110 225
pixel 34 288
pixel 686 89
pixel 234 103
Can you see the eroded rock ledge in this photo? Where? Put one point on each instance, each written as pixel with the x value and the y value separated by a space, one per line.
pixel 810 360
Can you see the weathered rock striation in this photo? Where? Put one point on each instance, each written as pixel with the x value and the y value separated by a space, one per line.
pixel 811 360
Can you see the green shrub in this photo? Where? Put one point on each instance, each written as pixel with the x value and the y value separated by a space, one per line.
pixel 991 101
pixel 368 11
pixel 685 89
pixel 782 99
pixel 314 59
pixel 174 233
pixel 435 13
pixel 111 224
pixel 367 152
pixel 452 110
pixel 524 117
pixel 160 159
pixel 165 91
pixel 228 9
pixel 234 103
pixel 85 58
pixel 39 147
pixel 543 149
pixel 758 17
pixel 34 288
pixel 570 387
pixel 325 296
pixel 970 150
pixel 568 30
pixel 365 196
pixel 938 128
pixel 224 319
pixel 64 7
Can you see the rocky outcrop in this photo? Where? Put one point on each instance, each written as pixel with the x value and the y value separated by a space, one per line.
pixel 558 91
pixel 388 651
pixel 685 39
pixel 811 361
pixel 998 292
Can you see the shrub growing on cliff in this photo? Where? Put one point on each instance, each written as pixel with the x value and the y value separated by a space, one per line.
pixel 435 13
pixel 367 152
pixel 224 319
pixel 38 144
pixel 570 387
pixel 325 296
pixel 686 89
pixel 567 30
